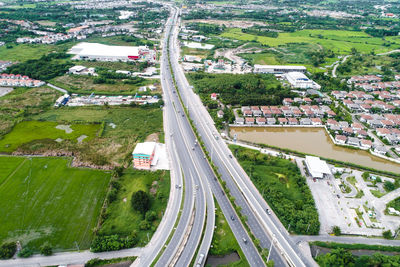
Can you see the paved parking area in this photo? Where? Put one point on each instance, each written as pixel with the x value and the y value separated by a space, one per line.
pixel 347 211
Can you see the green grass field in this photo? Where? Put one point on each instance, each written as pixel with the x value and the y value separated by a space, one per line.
pixel 43 200
pixel 27 131
pixel 224 242
pixel 122 219
pixel 339 41
pixel 24 52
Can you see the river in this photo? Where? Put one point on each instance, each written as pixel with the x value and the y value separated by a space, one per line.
pixel 311 141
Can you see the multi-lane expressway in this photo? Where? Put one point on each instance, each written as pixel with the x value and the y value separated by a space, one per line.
pixel 185 240
pixel 265 227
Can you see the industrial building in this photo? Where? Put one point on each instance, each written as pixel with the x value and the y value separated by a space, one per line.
pixel 317 167
pixel 101 52
pixel 278 69
pixel 299 80
pixel 143 155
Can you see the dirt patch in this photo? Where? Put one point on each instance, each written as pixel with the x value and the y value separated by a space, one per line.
pixel 66 128
pixel 154 137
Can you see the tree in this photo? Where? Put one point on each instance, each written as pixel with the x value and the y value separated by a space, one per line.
pixel 140 201
pixel 46 250
pixel 7 250
pixel 336 230
pixel 387 234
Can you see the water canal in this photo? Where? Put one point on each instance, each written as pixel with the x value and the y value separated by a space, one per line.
pixel 311 141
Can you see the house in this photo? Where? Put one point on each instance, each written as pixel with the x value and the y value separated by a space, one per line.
pixel 249 121
pixel 305 121
pixel 382 132
pixel 341 139
pixel 261 121
pixel 239 121
pixel 353 141
pixel 214 96
pixel 316 121
pixel 257 113
pixel 366 143
pixel 331 122
pixel 357 126
pixel 287 101
pixel 282 121
pixel 293 121
pixel 220 114
pixel 271 121
pixel 361 133
pixel 343 124
pixel 247 113
pixel 347 131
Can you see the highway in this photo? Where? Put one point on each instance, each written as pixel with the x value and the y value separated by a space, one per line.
pixel 265 227
pixel 203 166
pixel 198 214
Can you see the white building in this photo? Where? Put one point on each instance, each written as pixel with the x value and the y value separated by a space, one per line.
pixel 317 168
pixel 101 52
pixel 299 80
pixel 276 69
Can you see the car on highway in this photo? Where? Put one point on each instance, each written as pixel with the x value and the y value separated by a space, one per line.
pixel 244 240
pixel 232 218
pixel 268 211
pixel 230 156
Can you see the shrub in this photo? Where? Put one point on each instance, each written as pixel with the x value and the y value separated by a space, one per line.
pixel 387 234
pixel 389 186
pixel 151 216
pixel 365 175
pixel 25 253
pixel 144 225
pixel 93 262
pixel 111 243
pixel 336 230
pixel 7 250
pixel 140 201
pixel 46 250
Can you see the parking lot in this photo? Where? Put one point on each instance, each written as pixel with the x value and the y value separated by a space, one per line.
pixel 355 212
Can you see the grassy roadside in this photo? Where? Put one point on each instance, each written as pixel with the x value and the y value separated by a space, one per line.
pixel 224 242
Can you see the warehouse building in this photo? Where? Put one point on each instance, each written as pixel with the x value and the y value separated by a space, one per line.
pixel 317 167
pixel 101 52
pixel 299 80
pixel 278 69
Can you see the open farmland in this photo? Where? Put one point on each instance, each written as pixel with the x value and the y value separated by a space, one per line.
pixel 45 201
pixel 338 41
pixel 27 131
